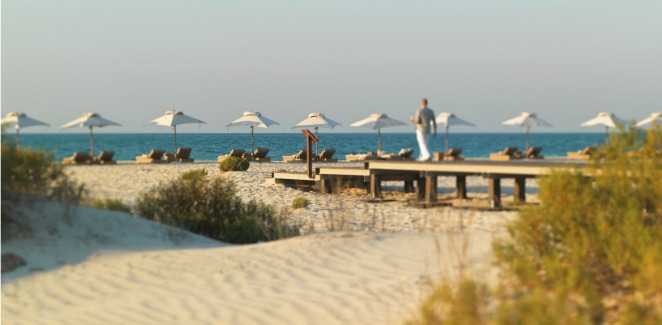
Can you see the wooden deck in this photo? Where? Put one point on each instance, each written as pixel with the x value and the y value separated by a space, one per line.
pixel 425 175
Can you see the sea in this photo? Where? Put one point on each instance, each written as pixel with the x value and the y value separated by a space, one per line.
pixel 208 146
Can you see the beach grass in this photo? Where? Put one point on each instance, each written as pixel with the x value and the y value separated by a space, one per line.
pixel 111 204
pixel 590 253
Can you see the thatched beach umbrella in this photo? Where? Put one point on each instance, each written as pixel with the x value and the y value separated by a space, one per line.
pixel 377 121
pixel 20 120
pixel 253 119
pixel 174 118
pixel 317 120
pixel 90 120
pixel 448 120
pixel 526 119
pixel 608 120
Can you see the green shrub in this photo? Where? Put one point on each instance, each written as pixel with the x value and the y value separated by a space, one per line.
pixel 211 208
pixel 234 164
pixel 111 204
pixel 35 173
pixel 198 174
pixel 25 171
pixel 590 253
pixel 300 202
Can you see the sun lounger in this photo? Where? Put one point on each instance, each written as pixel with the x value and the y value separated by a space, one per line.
pixel 239 153
pixel 584 154
pixel 353 157
pixel 300 156
pixel 182 155
pixel 451 154
pixel 260 155
pixel 78 158
pixel 509 153
pixel 106 158
pixel 533 153
pixel 153 157
pixel 327 155
pixel 404 154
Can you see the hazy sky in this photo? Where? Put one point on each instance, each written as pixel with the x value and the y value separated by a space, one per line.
pixel 131 60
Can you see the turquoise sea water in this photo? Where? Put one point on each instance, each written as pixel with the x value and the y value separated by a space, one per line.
pixel 207 146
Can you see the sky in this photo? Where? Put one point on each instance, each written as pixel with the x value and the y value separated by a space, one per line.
pixel 484 60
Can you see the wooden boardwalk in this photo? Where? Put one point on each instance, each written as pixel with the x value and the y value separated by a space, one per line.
pixel 425 175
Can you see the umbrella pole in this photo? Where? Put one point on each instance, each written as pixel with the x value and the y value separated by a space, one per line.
pixel 91 143
pixel 379 140
pixel 252 139
pixel 606 135
pixel 526 146
pixel 446 138
pixel 174 127
pixel 18 141
pixel 316 143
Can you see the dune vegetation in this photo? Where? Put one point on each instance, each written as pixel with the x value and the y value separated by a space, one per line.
pixel 590 253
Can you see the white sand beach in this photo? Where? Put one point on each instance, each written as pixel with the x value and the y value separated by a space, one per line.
pixel 358 262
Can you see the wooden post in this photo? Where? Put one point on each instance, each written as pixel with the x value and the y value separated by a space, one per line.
pixel 520 189
pixel 431 188
pixel 495 191
pixel 420 188
pixel 461 187
pixel 325 186
pixel 375 186
pixel 91 143
pixel 409 186
pixel 309 154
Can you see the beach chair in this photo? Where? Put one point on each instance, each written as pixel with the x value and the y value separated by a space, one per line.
pixel 354 157
pixel 182 155
pixel 450 155
pixel 78 158
pixel 153 157
pixel 260 155
pixel 584 154
pixel 533 153
pixel 327 155
pixel 106 158
pixel 509 153
pixel 404 154
pixel 239 153
pixel 300 156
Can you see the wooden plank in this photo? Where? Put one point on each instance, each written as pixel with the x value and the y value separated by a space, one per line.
pixel 344 171
pixel 292 176
pixel 472 168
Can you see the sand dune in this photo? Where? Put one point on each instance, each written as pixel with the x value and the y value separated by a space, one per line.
pixel 360 262
pixel 110 268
